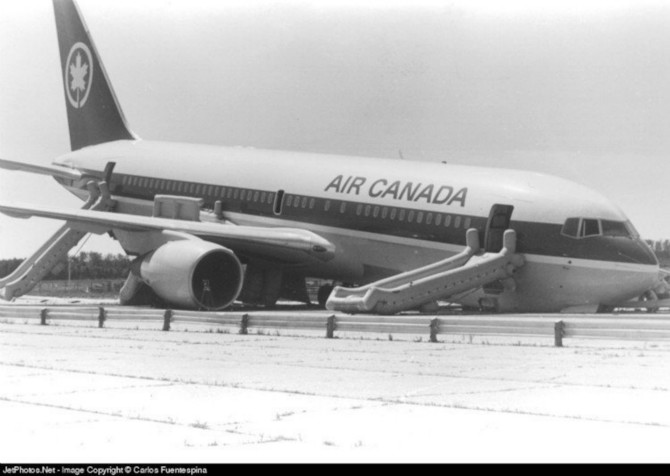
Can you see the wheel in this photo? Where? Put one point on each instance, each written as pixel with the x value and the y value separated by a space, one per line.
pixel 649 296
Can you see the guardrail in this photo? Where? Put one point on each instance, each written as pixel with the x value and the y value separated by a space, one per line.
pixel 640 327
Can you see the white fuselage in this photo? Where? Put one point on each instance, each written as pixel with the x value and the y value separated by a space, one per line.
pixel 387 216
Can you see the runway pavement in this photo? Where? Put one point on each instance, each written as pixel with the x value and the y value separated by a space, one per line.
pixel 82 394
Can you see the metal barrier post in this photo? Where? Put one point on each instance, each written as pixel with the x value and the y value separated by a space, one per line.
pixel 167 317
pixel 101 317
pixel 330 327
pixel 244 324
pixel 43 316
pixel 433 329
pixel 559 331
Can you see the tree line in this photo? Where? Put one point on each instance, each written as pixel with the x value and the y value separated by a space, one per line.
pixel 85 265
pixel 661 249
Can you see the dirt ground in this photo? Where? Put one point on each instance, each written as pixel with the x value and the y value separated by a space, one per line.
pixel 81 394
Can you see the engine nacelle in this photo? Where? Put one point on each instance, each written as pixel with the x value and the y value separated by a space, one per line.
pixel 193 274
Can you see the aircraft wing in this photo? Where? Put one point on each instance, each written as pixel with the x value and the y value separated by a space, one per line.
pixel 279 243
pixel 51 170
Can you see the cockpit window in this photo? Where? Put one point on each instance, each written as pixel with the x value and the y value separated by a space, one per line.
pixel 615 228
pixel 571 227
pixel 586 227
pixel 631 230
pixel 590 227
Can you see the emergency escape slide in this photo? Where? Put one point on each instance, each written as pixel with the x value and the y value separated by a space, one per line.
pixel 470 269
pixel 24 278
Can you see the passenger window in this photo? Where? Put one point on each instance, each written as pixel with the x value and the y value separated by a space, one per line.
pixel 304 202
pixel 359 209
pixel 467 223
pixel 401 214
pixel 343 207
pixel 256 195
pixel 457 222
pixel 393 213
pixel 289 200
pixel 263 196
pixel 385 212
pixel 375 212
pixel 438 219
pixel 419 217
pixel 429 219
pixel 447 220
pixel 367 210
pixel 311 203
pixel 326 206
pixel 410 216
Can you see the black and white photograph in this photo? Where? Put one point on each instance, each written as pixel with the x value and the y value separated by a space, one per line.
pixel 326 231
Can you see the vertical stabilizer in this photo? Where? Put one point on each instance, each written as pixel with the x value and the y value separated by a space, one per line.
pixel 93 113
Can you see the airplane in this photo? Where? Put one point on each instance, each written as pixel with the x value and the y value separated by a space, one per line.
pixel 210 225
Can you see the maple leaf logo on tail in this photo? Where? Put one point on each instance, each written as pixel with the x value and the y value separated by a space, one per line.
pixel 80 70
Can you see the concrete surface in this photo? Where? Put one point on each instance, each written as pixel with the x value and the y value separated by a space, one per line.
pixel 80 394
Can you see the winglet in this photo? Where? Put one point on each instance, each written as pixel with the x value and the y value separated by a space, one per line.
pixel 93 112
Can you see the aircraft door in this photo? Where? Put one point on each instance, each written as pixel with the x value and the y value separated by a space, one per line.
pixel 498 222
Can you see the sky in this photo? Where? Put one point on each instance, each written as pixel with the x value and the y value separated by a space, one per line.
pixel 577 89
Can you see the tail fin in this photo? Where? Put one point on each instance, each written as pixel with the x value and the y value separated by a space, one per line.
pixel 93 113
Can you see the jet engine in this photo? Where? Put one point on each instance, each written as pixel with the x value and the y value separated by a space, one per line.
pixel 193 274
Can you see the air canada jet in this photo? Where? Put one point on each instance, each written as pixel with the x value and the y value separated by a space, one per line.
pixel 207 226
